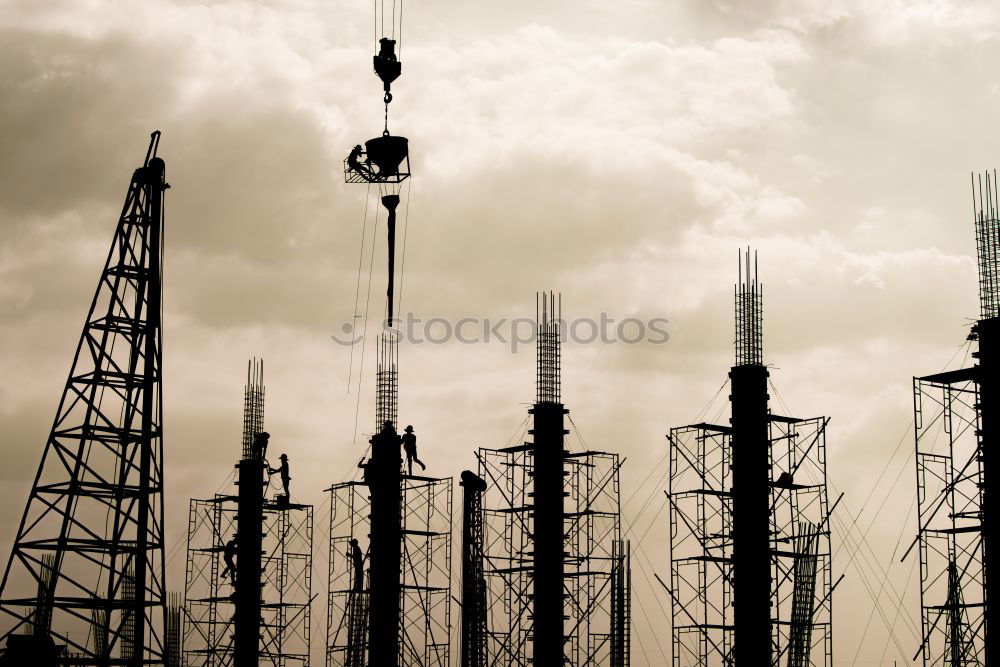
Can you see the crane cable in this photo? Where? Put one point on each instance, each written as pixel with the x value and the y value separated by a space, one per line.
pixel 371 260
pixel 357 287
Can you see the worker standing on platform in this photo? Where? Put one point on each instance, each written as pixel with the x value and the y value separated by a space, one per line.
pixel 358 560
pixel 410 447
pixel 283 471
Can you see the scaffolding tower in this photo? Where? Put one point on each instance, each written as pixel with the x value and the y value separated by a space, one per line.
pixel 751 573
pixel 554 566
pixel 424 575
pixel 399 611
pixel 265 602
pixel 955 425
pixel 85 579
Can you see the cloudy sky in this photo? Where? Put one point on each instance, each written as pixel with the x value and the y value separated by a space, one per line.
pixel 618 152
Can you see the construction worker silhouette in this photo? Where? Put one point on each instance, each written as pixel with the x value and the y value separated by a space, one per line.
pixel 260 445
pixel 354 163
pixel 228 554
pixel 358 560
pixel 283 471
pixel 366 469
pixel 410 447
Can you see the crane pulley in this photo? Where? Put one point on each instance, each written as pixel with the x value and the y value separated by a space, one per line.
pixel 387 65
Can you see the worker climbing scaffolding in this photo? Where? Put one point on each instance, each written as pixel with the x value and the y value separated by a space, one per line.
pixel 229 557
pixel 358 563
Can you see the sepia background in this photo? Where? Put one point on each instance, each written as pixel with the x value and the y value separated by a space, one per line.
pixel 620 153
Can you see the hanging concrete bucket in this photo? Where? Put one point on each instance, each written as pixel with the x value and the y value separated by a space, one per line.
pixel 387 153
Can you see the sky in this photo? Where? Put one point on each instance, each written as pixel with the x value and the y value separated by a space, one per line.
pixel 618 153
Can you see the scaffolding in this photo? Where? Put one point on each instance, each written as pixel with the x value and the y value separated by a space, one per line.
pixel 286 578
pixel 749 506
pixel 956 430
pixel 949 496
pixel 701 572
pixel 425 577
pixel 592 546
pixel 278 609
pixel 590 618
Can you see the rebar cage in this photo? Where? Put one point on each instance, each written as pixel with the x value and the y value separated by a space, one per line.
pixel 701 573
pixel 949 488
pixel 425 604
pixel 749 306
pixel 286 577
pixel 593 566
pixel 987 214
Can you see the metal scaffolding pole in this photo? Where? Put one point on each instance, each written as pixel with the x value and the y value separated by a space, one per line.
pixel 473 581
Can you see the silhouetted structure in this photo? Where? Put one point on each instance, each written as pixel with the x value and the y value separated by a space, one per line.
pixel 402 614
pixel 261 615
pixel 473 578
pixel 384 160
pixel 85 575
pixel 386 380
pixel 415 597
pixel 956 417
pixel 385 550
pixel 552 535
pixel 749 538
pixel 621 605
pixel 175 653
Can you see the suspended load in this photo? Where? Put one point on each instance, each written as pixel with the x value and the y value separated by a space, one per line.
pixel 383 159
